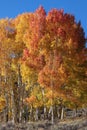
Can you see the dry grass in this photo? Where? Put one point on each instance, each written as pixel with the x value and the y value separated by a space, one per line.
pixel 68 124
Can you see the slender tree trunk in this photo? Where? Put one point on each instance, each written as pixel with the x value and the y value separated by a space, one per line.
pixel 52 113
pixel 76 107
pixel 32 113
pixel 44 103
pixel 51 84
pixel 13 110
pixel 36 115
pixel 20 87
pixel 58 113
pixel 62 113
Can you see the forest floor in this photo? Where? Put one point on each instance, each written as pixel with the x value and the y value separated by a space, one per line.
pixel 65 124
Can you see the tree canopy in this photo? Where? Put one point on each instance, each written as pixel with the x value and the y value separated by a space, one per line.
pixel 43 62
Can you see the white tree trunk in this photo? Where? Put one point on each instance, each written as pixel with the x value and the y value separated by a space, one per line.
pixel 62 113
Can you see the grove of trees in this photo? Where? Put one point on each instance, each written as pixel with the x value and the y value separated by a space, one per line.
pixel 43 65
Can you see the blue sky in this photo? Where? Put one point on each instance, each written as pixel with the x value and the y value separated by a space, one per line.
pixel 11 8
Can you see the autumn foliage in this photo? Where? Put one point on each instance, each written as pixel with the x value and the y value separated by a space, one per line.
pixel 43 62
